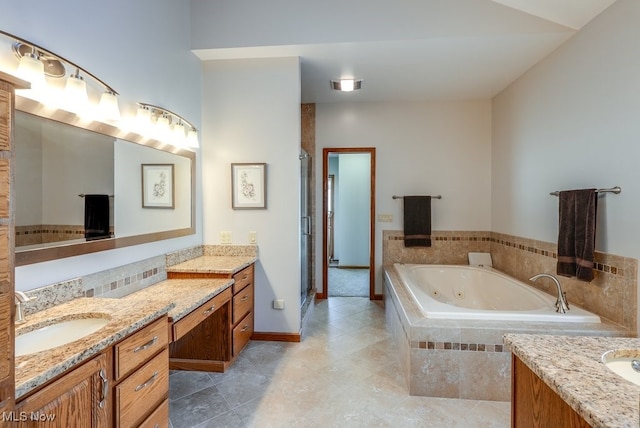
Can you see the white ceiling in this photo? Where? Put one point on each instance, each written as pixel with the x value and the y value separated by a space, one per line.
pixel 426 50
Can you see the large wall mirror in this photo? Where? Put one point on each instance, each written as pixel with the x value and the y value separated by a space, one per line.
pixel 82 189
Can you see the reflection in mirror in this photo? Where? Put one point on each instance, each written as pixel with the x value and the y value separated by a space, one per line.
pixel 58 166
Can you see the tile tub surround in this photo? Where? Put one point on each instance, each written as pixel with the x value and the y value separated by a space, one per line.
pixel 612 294
pixel 571 367
pixel 461 358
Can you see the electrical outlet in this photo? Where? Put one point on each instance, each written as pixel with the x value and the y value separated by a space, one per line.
pixel 387 218
pixel 253 237
pixel 226 237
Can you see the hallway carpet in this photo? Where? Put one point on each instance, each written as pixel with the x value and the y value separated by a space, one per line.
pixel 345 373
pixel 348 282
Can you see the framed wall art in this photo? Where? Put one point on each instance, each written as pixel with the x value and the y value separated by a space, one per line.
pixel 248 186
pixel 158 186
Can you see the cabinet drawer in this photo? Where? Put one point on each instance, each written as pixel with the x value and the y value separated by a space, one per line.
pixel 159 418
pixel 143 391
pixel 242 278
pixel 242 333
pixel 242 303
pixel 140 346
pixel 187 323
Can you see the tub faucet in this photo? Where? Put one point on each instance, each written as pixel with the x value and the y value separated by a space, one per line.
pixel 562 306
pixel 20 299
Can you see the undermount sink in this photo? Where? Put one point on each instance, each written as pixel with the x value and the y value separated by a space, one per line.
pixel 57 333
pixel 624 362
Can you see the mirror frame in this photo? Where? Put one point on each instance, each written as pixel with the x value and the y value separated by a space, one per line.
pixel 37 255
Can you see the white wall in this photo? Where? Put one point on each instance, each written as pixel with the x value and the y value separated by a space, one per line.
pixel 352 215
pixel 422 148
pixel 251 113
pixel 572 122
pixel 130 217
pixel 142 50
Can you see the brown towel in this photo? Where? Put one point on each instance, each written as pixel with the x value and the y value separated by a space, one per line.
pixel 417 221
pixel 577 233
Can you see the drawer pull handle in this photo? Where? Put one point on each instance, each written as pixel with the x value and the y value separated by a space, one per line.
pixel 147 383
pixel 146 345
pixel 211 309
pixel 244 298
pixel 245 328
pixel 105 388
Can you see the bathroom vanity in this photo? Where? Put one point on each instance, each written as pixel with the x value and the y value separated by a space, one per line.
pixel 561 381
pixel 228 317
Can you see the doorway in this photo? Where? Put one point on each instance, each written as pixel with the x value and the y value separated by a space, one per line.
pixel 348 239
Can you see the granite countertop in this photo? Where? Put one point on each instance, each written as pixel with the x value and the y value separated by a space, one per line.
pixel 173 297
pixel 185 294
pixel 227 265
pixel 125 317
pixel 571 366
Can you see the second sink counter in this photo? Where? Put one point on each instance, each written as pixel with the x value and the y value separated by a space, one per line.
pixel 571 366
pixel 224 265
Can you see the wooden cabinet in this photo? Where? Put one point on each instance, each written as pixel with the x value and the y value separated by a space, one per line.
pixel 213 335
pixel 126 385
pixel 202 339
pixel 534 404
pixel 141 376
pixel 78 399
pixel 8 84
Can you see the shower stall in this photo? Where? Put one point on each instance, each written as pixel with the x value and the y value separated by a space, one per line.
pixel 305 226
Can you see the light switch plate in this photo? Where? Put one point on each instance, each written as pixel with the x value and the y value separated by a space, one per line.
pixel 253 237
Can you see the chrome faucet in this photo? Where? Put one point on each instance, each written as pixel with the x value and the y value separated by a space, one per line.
pixel 20 299
pixel 562 305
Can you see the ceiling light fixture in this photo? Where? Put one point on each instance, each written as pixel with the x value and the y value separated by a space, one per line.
pixel 37 62
pixel 346 85
pixel 169 126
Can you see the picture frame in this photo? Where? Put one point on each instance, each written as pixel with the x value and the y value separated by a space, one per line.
pixel 248 186
pixel 158 185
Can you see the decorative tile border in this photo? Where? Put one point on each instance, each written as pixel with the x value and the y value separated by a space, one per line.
pixel 455 346
pixel 514 242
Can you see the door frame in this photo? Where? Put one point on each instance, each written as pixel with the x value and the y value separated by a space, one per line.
pixel 372 210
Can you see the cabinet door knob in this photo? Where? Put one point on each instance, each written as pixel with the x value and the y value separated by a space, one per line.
pixel 211 309
pixel 246 327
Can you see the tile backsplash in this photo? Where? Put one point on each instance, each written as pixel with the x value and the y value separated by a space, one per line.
pixel 612 293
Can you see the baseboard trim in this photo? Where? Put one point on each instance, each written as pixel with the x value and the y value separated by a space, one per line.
pixel 276 337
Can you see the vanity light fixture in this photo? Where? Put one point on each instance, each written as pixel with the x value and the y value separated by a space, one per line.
pixel 76 98
pixel 167 126
pixel 35 63
pixel 346 85
pixel 31 69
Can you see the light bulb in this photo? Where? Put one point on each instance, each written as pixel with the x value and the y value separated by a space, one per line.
pixel 178 136
pixel 75 93
pixel 143 120
pixel 31 69
pixel 161 131
pixel 108 106
pixel 192 139
pixel 346 85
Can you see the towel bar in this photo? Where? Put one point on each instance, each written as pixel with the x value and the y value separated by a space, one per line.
pixel 615 190
pixel 433 197
pixel 82 195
